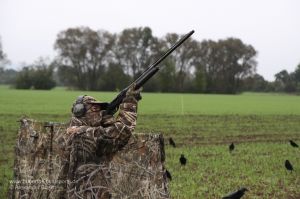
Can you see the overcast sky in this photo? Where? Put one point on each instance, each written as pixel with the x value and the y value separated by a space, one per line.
pixel 28 28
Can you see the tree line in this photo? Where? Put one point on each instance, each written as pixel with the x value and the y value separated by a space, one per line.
pixel 99 60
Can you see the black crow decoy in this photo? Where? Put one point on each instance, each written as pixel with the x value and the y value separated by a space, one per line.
pixel 231 147
pixel 182 160
pixel 171 142
pixel 168 174
pixel 293 143
pixel 288 165
pixel 236 195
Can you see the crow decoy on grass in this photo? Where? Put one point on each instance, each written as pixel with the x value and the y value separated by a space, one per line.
pixel 231 147
pixel 293 143
pixel 171 142
pixel 236 195
pixel 168 174
pixel 182 160
pixel 288 165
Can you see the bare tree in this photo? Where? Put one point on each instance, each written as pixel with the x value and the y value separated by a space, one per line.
pixel 134 49
pixel 83 55
pixel 185 57
pixel 226 63
pixel 3 59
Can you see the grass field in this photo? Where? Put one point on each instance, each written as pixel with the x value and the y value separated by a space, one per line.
pixel 202 126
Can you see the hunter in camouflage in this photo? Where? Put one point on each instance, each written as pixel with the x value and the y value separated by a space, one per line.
pixel 93 138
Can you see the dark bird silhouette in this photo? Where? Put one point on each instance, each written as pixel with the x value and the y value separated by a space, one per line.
pixel 182 160
pixel 231 147
pixel 168 174
pixel 293 143
pixel 236 195
pixel 288 165
pixel 171 142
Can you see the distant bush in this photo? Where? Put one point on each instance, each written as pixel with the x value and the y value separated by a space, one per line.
pixel 39 76
pixel 43 78
pixel 24 79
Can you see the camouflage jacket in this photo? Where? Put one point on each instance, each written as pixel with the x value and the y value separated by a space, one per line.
pixel 91 148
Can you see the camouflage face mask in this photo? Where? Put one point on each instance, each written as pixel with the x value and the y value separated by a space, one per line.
pixel 93 116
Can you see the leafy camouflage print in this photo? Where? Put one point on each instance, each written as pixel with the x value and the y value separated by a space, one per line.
pixel 93 139
pixel 96 156
pixel 41 167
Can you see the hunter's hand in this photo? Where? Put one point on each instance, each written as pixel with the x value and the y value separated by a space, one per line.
pixel 134 93
pixel 107 120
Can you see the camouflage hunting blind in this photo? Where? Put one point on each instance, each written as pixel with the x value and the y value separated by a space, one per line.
pixel 136 171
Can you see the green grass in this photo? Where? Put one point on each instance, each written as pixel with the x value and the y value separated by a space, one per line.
pixel 211 171
pixel 59 101
pixel 202 126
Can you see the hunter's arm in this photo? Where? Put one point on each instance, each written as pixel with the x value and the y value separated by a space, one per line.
pixel 117 131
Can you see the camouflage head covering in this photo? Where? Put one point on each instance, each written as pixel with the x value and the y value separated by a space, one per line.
pixel 90 100
pixel 87 111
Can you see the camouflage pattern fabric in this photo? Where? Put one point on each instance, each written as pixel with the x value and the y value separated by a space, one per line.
pixel 40 152
pixel 41 166
pixel 96 156
pixel 92 141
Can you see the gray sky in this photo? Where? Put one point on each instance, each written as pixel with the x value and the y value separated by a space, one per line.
pixel 28 28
